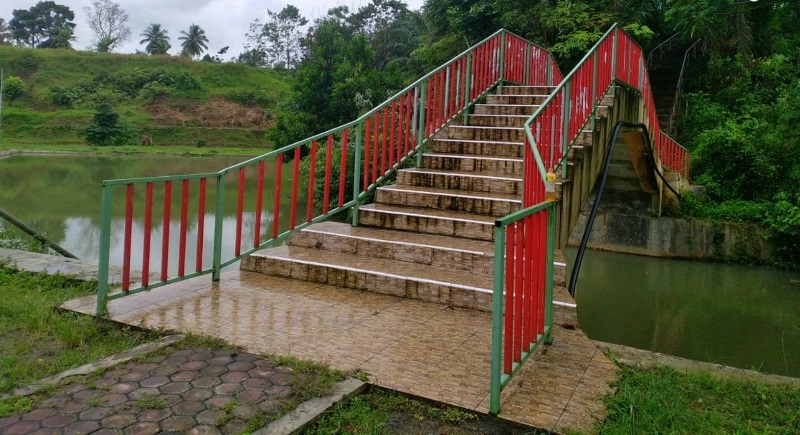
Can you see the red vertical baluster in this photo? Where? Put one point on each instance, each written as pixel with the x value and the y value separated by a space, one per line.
pixel 276 209
pixel 311 174
pixel 384 136
pixel 542 264
pixel 165 230
pixel 393 148
pixel 518 290
pixel 527 260
pixel 239 213
pixel 410 120
pixel 401 130
pixel 295 186
pixel 452 94
pixel 367 143
pixel 442 106
pixel 343 166
pixel 184 227
pixel 148 229
pixel 376 147
pixel 508 335
pixel 126 253
pixel 201 222
pixel 327 192
pixel 429 105
pixel 531 264
pixel 259 203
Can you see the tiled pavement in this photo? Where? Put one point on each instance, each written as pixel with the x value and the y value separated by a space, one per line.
pixel 421 348
pixel 196 391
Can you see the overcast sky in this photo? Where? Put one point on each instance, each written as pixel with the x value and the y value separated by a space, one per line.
pixel 225 21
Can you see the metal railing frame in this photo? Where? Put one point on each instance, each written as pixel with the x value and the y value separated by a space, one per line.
pixel 419 121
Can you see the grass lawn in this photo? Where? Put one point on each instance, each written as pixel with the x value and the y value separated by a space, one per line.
pixel 38 341
pixel 663 400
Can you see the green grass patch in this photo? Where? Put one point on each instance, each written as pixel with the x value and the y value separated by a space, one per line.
pixel 39 341
pixel 663 400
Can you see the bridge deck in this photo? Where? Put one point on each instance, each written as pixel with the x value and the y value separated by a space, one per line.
pixel 403 344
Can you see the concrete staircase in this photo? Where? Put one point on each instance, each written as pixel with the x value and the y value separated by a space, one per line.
pixel 430 235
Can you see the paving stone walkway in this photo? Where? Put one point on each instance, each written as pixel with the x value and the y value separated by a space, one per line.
pixel 194 391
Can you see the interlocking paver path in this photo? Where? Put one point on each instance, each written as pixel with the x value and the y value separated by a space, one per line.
pixel 196 391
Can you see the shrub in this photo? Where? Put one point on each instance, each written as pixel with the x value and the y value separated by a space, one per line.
pixel 13 88
pixel 107 129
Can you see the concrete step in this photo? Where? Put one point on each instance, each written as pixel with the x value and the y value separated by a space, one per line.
pixel 428 221
pixel 507 98
pixel 505 109
pixel 477 147
pixel 475 256
pixel 528 90
pixel 471 181
pixel 456 288
pixel 472 132
pixel 623 169
pixel 473 163
pixel 628 184
pixel 498 120
pixel 584 138
pixel 490 204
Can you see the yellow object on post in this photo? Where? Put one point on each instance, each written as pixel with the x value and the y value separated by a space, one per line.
pixel 550 186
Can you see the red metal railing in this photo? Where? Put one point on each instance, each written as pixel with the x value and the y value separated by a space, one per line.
pixel 559 122
pixel 327 173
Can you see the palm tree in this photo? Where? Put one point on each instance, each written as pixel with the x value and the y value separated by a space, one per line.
pixel 5 32
pixel 104 44
pixel 194 41
pixel 156 39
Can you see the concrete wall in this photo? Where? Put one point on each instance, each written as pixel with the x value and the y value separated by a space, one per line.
pixel 677 238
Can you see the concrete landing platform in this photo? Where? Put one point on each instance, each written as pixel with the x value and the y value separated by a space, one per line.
pixel 415 347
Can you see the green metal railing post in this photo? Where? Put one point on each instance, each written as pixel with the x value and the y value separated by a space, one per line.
pixel 614 62
pixel 595 62
pixel 528 65
pixel 218 217
pixel 495 384
pixel 502 61
pixel 421 122
pixel 357 174
pixel 565 118
pixel 105 247
pixel 551 250
pixel 467 88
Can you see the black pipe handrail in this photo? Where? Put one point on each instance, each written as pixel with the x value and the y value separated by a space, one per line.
pixel 573 280
pixel 35 234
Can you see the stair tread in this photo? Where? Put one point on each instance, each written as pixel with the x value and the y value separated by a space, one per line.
pixel 500 142
pixel 455 192
pixel 486 127
pixel 429 212
pixel 472 156
pixel 405 237
pixel 420 272
pixel 449 172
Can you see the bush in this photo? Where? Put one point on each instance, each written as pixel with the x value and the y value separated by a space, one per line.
pixel 251 98
pixel 13 88
pixel 107 129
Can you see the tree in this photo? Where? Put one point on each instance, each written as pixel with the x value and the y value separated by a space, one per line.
pixel 278 40
pixel 13 88
pixel 5 32
pixel 43 25
pixel 108 129
pixel 109 23
pixel 217 58
pixel 156 39
pixel 194 41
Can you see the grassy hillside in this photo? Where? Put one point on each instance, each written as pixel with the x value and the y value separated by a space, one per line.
pixel 172 100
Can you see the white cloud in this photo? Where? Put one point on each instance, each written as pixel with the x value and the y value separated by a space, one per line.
pixel 225 21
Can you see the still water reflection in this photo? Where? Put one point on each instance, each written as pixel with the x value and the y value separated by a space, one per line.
pixel 60 196
pixel 741 316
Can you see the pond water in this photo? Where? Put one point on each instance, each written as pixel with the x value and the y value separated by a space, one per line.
pixel 741 316
pixel 60 196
